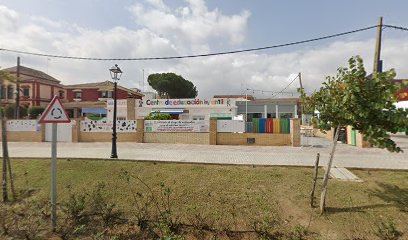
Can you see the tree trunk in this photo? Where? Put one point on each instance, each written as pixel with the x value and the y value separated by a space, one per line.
pixel 13 191
pixel 316 172
pixel 4 163
pixel 327 174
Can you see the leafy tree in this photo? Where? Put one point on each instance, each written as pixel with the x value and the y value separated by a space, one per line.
pixel 35 111
pixel 366 104
pixel 307 102
pixel 158 116
pixel 170 85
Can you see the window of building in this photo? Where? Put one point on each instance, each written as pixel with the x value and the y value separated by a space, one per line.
pixel 77 95
pixel 286 115
pixel 61 94
pixel 198 117
pixel 26 92
pixel 271 115
pixel 106 94
pixel 10 92
pixel 3 92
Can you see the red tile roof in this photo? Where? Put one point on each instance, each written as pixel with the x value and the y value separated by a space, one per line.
pixel 26 73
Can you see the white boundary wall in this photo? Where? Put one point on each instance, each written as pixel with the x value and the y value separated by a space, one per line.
pixel 106 126
pixel 231 126
pixel 23 126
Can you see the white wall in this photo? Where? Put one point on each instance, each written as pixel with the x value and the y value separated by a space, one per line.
pixel 230 126
pixel 121 109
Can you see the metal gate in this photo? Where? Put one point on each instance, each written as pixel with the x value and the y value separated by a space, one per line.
pixel 64 132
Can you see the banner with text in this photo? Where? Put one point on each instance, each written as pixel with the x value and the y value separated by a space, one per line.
pixel 176 126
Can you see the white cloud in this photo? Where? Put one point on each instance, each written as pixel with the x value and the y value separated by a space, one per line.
pixel 191 27
pixel 8 19
pixel 159 4
pixel 188 29
pixel 47 22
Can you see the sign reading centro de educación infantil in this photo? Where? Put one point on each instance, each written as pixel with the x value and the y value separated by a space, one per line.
pixel 188 109
pixel 187 102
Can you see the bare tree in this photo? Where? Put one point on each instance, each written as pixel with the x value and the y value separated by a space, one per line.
pixel 6 164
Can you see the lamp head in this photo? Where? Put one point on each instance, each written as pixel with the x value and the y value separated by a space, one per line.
pixel 115 72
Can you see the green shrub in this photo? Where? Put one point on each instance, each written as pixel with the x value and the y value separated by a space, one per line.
pixel 158 116
pixel 94 117
pixel 101 206
pixel 34 112
pixel 388 231
pixel 10 109
pixel 75 209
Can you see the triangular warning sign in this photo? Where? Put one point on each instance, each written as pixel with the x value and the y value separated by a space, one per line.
pixel 55 113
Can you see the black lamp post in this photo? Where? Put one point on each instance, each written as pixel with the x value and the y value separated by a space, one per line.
pixel 115 74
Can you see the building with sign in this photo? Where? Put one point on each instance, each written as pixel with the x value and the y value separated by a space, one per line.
pixel 36 88
pixel 188 109
pixel 92 98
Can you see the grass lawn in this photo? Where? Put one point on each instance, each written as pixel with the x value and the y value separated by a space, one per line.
pixel 237 196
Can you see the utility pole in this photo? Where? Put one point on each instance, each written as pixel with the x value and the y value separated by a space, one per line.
pixel 377 53
pixel 246 106
pixel 143 81
pixel 301 89
pixel 17 109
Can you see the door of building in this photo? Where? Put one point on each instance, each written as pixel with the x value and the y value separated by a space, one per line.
pixel 342 135
pixel 64 132
pixel 353 137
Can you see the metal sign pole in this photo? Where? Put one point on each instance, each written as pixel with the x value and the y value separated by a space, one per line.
pixel 54 178
pixel 54 113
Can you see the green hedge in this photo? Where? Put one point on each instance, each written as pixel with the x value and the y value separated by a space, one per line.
pixel 10 109
pixel 34 112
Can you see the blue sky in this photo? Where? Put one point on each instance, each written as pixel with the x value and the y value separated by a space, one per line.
pixel 270 21
pixel 126 28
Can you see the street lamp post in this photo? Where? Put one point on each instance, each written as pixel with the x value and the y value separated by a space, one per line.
pixel 115 74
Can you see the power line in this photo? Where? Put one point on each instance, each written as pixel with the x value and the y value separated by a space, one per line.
pixel 198 55
pixel 396 27
pixel 297 76
pixel 287 85
pixel 266 91
pixel 274 93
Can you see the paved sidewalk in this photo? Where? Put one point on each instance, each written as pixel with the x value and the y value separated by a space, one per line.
pixel 343 174
pixel 345 156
